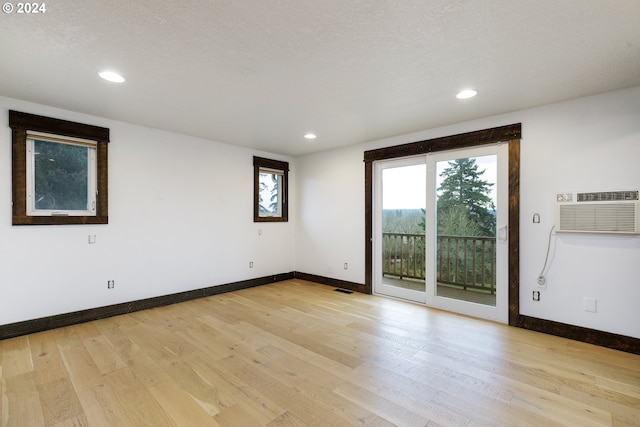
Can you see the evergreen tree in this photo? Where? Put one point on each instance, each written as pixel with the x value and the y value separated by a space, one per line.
pixel 268 195
pixel 464 199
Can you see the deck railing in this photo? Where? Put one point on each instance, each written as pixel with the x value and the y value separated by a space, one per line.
pixel 468 262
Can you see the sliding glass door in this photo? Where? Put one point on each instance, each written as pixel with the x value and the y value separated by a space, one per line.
pixel 440 230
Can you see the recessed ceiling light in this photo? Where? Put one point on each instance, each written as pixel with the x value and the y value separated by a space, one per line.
pixel 111 76
pixel 310 136
pixel 467 93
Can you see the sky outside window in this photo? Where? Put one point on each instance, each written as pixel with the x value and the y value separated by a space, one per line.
pixel 405 187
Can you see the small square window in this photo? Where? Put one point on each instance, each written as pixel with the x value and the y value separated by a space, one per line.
pixel 61 176
pixel 270 190
pixel 270 199
pixel 60 171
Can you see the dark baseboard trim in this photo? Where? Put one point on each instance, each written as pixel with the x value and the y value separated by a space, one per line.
pixel 579 333
pixel 37 325
pixel 352 286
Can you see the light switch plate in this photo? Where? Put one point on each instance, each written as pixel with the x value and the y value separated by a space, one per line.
pixel 590 305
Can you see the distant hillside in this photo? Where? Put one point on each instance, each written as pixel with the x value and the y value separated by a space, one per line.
pixel 402 221
pixel 406 220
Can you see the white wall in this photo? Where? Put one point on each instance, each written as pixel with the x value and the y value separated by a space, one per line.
pixel 180 218
pixel 585 144
pixel 330 217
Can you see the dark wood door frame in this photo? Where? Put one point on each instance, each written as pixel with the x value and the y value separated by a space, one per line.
pixel 510 134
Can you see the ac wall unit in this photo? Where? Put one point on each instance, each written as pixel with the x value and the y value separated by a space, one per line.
pixel 607 212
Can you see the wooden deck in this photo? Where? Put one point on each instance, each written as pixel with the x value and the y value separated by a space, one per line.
pixel 447 291
pixel 296 353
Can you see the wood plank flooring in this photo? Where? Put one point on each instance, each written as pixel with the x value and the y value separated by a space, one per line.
pixel 296 353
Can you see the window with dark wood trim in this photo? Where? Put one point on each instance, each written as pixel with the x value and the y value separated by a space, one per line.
pixel 270 190
pixel 22 124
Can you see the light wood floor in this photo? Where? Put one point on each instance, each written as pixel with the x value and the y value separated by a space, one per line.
pixel 296 353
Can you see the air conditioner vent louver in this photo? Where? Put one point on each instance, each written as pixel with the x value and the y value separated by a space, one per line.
pixel 611 212
pixel 603 218
pixel 606 196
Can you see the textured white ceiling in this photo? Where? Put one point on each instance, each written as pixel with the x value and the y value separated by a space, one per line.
pixel 262 73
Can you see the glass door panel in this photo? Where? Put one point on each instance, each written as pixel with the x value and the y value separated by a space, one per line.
pixel 468 259
pixel 466 229
pixel 400 229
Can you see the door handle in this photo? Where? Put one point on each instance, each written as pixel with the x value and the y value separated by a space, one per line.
pixel 503 233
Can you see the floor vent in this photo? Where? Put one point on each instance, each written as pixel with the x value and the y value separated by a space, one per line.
pixel 344 291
